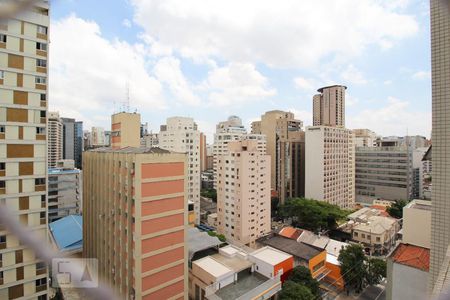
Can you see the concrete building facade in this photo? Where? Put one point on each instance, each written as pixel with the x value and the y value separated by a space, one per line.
pixel 65 190
pixel 383 172
pixel 417 223
pixel 97 137
pixel 55 139
pixel 330 165
pixel 181 135
pixel 275 125
pixel 365 138
pixel 125 130
pixel 440 69
pixel 243 193
pixel 329 106
pixel 24 42
pixel 73 141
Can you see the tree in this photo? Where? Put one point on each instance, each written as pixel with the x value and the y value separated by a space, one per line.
pixel 295 291
pixel 274 205
pixel 396 209
pixel 353 267
pixel 302 275
pixel 312 215
pixel 221 237
pixel 376 270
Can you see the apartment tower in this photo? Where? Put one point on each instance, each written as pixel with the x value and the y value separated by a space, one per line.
pixel 181 135
pixel 275 125
pixel 329 106
pixel 73 140
pixel 330 165
pixel 125 130
pixel 55 139
pixel 23 147
pixel 135 218
pixel 243 193
pixel 440 53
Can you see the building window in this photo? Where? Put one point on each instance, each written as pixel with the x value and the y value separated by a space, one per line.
pixel 2 239
pixel 378 239
pixel 41 63
pixel 2 74
pixel 42 29
pixel 2 166
pixel 41 46
pixel 2 184
pixel 43 97
pixel 2 129
pixel 40 130
pixel 2 38
pixel 39 181
pixel 40 80
pixel 41 282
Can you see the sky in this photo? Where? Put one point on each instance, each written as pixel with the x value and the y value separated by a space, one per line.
pixel 212 59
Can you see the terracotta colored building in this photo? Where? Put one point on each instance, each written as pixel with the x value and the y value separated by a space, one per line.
pixel 135 219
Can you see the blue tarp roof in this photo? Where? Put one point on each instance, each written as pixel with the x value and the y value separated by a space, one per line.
pixel 68 233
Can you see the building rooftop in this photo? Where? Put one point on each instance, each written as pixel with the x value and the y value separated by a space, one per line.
pixel 245 284
pixel 329 87
pixel 376 224
pixel 300 250
pixel 199 240
pixel 154 150
pixel 63 171
pixel 68 233
pixel 270 255
pixel 312 239
pixel 364 213
pixel 334 247
pixel 412 256
pixel 290 233
pixel 213 267
pixel 420 204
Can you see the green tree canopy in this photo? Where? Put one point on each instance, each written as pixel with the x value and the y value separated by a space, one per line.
pixel 209 193
pixel 376 270
pixel 312 214
pixel 295 291
pixel 396 209
pixel 353 268
pixel 302 275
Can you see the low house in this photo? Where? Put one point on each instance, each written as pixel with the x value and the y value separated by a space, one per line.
pixel 233 272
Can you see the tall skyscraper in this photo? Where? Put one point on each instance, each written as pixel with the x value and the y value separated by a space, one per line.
pixel 275 125
pixel 440 54
pixel 135 218
pixel 330 165
pixel 243 192
pixel 329 106
pixel 23 147
pixel 55 139
pixel 73 141
pixel 181 135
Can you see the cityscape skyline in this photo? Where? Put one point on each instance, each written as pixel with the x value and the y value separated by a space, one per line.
pixel 165 83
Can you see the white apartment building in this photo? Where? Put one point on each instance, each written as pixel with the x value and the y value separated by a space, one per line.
pixel 55 139
pixel 365 138
pixel 243 193
pixel 421 174
pixel 98 137
pixel 181 135
pixel 330 165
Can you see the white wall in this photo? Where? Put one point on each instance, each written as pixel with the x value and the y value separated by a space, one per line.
pixel 314 148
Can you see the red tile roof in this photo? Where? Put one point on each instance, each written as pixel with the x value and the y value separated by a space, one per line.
pixel 290 233
pixel 412 256
pixel 382 209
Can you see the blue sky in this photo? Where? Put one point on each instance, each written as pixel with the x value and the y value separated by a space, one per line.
pixel 209 60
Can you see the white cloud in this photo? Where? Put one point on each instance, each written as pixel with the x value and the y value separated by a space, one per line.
pixel 303 115
pixel 350 100
pixel 422 75
pixel 88 73
pixel 273 33
pixel 237 83
pixel 168 71
pixel 395 118
pixel 352 75
pixel 126 23
pixel 305 84
pixel 387 82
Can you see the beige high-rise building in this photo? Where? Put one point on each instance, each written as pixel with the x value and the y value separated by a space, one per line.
pixel 330 165
pixel 135 216
pixel 55 139
pixel 440 53
pixel 98 138
pixel 329 106
pixel 125 130
pixel 181 135
pixel 243 193
pixel 23 147
pixel 275 125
